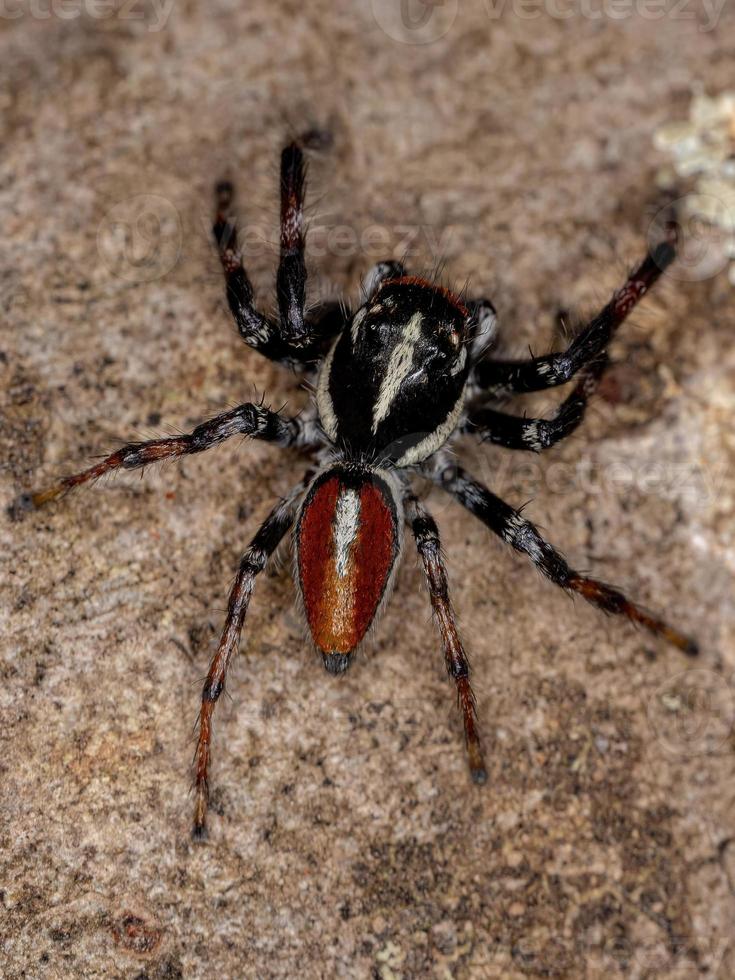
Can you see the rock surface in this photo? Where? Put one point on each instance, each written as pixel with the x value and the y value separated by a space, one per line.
pixel 346 838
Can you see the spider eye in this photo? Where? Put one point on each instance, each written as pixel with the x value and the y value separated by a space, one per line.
pixel 377 328
pixel 447 335
pixel 442 355
pixel 450 342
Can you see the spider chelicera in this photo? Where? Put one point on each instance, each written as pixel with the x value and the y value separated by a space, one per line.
pixel 396 380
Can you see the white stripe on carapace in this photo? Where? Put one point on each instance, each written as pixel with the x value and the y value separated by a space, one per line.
pixel 356 322
pixel 346 526
pixel 324 404
pixel 399 367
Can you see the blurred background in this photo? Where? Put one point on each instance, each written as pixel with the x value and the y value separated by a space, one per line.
pixel 531 148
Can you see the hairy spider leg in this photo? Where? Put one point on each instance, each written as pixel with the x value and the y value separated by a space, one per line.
pixel 293 339
pixel 255 559
pixel 536 435
pixel 251 420
pixel 428 545
pixel 291 276
pixel 507 377
pixel 522 535
pixel 380 273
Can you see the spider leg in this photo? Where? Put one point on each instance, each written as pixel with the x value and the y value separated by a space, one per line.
pixel 294 338
pixel 486 318
pixel 387 269
pixel 505 377
pixel 248 420
pixel 291 278
pixel 521 534
pixel 428 545
pixel 255 329
pixel 515 432
pixel 265 542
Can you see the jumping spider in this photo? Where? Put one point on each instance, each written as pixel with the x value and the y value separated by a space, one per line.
pixel 398 378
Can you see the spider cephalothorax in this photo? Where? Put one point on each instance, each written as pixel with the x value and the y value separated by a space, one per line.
pixel 397 378
pixel 405 352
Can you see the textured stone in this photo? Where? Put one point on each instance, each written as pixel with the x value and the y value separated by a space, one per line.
pixel 346 837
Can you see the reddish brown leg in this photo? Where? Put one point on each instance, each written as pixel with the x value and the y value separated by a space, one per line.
pixel 253 562
pixel 428 544
pixel 522 535
pixel 294 338
pixel 506 377
pixel 249 420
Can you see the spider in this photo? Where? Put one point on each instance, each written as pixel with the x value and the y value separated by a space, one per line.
pixel 395 380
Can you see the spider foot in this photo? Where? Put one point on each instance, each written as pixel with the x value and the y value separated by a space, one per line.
pixel 224 192
pixel 478 772
pixel 24 503
pixel 17 508
pixel 686 644
pixel 610 600
pixel 475 758
pixel 199 832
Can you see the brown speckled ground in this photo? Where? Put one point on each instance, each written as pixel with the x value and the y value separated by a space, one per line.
pixel 347 839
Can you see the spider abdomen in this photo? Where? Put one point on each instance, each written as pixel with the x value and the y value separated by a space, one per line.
pixel 347 538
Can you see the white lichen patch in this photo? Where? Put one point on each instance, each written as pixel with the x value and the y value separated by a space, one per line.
pixel 702 149
pixel 389 960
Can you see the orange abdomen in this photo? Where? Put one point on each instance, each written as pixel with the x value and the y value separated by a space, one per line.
pixel 347 542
